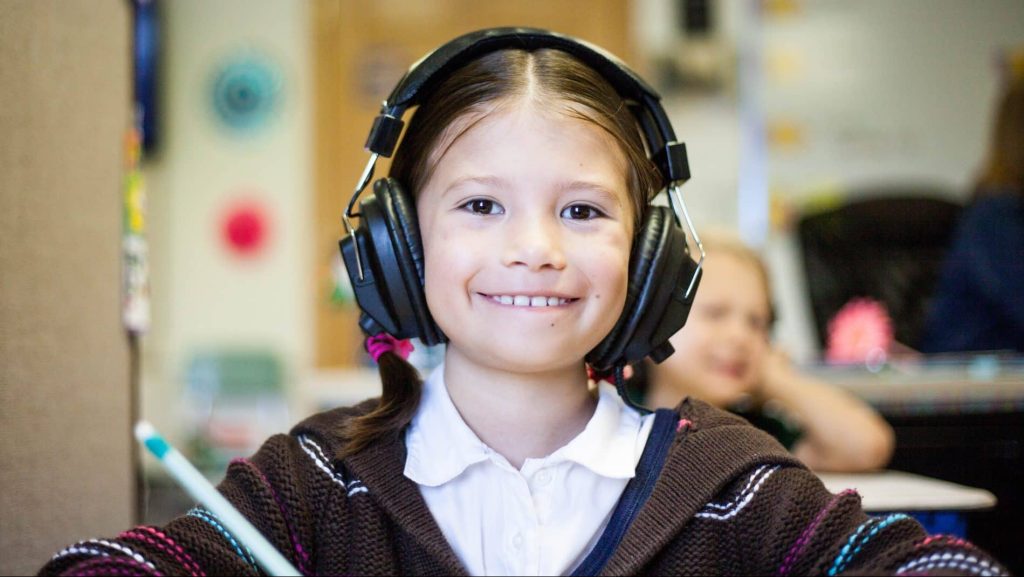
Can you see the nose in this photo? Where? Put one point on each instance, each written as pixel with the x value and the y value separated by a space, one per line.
pixel 738 333
pixel 534 242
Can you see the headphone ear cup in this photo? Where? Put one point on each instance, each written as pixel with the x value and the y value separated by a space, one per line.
pixel 399 210
pixel 656 305
pixel 642 257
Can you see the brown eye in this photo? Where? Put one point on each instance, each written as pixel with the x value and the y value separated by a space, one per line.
pixel 483 206
pixel 581 212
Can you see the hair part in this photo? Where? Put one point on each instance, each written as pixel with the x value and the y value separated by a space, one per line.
pixel 549 78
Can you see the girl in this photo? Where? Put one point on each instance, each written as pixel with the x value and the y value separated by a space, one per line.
pixel 530 179
pixel 723 355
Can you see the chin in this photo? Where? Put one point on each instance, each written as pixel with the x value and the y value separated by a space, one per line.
pixel 530 355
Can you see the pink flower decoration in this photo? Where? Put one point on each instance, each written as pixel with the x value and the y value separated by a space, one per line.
pixel 861 332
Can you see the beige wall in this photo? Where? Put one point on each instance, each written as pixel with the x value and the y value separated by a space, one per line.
pixel 65 453
pixel 206 299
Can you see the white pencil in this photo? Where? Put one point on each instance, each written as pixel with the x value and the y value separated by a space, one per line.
pixel 202 491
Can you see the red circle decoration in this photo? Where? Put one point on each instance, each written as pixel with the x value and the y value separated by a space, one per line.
pixel 245 228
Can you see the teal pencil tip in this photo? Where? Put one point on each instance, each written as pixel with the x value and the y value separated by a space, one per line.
pixel 154 442
pixel 158 446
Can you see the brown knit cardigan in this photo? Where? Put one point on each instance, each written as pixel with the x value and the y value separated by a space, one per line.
pixel 729 500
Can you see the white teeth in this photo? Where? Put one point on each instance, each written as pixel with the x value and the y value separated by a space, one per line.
pixel 528 301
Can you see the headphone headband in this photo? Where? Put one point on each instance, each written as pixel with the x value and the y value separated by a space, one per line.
pixel 423 76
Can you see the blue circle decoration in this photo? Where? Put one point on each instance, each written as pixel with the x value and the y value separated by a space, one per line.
pixel 246 93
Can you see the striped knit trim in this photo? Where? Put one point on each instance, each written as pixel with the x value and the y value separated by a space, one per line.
pixel 805 537
pixel 856 542
pixel 164 543
pixel 83 548
pixel 324 464
pixel 302 558
pixel 724 511
pixel 79 549
pixel 211 519
pixel 951 560
pixel 121 566
pixel 946 540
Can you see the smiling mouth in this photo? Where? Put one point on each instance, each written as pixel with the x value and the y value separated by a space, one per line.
pixel 733 370
pixel 528 301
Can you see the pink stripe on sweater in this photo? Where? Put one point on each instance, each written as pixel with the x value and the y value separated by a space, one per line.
pixel 945 540
pixel 171 543
pixel 303 557
pixel 110 566
pixel 185 562
pixel 805 537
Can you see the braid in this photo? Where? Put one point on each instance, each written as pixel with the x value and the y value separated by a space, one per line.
pixel 402 388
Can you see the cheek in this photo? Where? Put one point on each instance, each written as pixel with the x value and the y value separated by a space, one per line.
pixel 689 346
pixel 682 369
pixel 606 261
pixel 442 262
pixel 759 349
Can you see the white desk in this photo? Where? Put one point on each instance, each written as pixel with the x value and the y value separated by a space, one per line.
pixel 899 491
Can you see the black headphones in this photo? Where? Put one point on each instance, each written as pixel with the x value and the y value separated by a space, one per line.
pixel 384 254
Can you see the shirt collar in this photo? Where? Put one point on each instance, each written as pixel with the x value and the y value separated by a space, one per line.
pixel 611 444
pixel 440 446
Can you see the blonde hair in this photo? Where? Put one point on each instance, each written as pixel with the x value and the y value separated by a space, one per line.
pixel 726 242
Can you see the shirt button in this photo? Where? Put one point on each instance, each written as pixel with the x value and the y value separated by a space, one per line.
pixel 543 478
pixel 517 541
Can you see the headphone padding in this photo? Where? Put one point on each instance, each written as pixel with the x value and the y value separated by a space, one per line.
pixel 662 304
pixel 403 225
pixel 646 251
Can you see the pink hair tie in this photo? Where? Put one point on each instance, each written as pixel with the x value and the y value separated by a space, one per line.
pixel 595 375
pixel 377 345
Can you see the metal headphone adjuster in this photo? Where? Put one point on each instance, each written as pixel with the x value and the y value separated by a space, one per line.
pixel 348 214
pixel 673 190
pixel 387 127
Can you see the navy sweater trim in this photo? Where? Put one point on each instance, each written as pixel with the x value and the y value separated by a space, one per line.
pixel 636 493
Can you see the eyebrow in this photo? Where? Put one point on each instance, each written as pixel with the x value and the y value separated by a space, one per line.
pixel 594 187
pixel 491 181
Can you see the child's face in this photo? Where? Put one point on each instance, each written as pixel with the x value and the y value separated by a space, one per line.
pixel 526 205
pixel 720 350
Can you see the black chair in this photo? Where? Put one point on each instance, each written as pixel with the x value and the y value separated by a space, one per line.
pixel 886 245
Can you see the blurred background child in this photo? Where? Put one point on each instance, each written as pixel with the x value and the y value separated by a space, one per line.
pixel 724 356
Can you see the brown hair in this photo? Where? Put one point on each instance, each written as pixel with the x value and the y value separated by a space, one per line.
pixel 1004 167
pixel 474 90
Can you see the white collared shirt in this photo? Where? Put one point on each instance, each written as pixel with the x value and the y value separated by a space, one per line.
pixel 541 520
